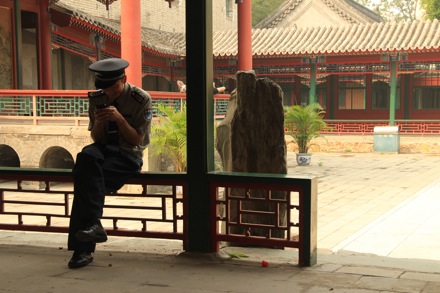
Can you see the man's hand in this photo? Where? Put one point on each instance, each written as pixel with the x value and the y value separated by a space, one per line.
pixel 108 114
pixel 112 114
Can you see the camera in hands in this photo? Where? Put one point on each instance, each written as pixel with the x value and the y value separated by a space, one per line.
pixel 101 106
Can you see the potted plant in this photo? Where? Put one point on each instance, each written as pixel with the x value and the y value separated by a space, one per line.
pixel 169 136
pixel 303 124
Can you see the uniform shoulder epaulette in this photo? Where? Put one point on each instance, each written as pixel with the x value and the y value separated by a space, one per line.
pixel 96 94
pixel 138 95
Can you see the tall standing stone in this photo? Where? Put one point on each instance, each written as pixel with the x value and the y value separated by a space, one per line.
pixel 251 139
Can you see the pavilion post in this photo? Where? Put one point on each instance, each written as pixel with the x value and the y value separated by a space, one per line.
pixel 244 34
pixel 131 44
pixel 200 123
pixel 45 68
pixel 312 91
pixel 393 86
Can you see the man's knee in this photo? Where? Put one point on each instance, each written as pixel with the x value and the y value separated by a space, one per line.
pixel 90 152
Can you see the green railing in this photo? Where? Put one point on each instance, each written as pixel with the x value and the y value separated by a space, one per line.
pixel 71 106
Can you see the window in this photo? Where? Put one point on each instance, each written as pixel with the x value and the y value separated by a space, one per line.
pixel 380 93
pixel 426 98
pixel 304 91
pixel 321 91
pixel 427 91
pixel 351 92
pixel 29 55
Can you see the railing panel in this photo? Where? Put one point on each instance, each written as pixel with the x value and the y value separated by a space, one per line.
pixel 62 107
pixel 154 205
pixel 266 210
pixel 149 205
pixel 15 106
pixel 419 127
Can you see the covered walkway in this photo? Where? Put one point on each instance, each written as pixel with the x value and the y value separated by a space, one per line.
pixel 378 231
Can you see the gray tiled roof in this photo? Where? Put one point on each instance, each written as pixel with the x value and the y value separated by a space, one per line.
pixel 352 39
pixel 375 37
pixel 154 41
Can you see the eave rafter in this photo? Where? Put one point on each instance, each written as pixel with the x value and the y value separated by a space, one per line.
pixel 105 2
pixel 84 25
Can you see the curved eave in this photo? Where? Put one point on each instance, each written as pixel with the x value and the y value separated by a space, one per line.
pixel 114 34
pixel 148 50
pixel 377 38
pixel 84 25
pixel 331 53
pixel 155 43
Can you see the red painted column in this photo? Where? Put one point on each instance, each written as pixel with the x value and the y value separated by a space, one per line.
pixel 45 67
pixel 244 35
pixel 131 49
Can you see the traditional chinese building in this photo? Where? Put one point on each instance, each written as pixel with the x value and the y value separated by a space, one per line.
pixel 312 13
pixel 361 69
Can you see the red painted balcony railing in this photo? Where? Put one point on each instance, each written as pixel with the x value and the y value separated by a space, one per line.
pixel 154 205
pixel 265 209
pixel 70 107
pixel 150 205
pixel 362 127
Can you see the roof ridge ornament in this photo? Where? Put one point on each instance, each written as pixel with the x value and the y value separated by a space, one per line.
pixel 169 2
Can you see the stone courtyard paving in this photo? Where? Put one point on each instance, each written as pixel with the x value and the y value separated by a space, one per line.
pixel 383 204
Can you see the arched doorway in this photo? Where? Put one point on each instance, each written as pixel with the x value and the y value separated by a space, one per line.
pixel 56 157
pixel 8 157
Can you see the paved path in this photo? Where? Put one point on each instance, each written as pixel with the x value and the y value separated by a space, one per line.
pixel 378 231
pixel 384 204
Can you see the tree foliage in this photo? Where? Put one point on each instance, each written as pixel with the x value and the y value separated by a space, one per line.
pixel 432 8
pixel 399 9
pixel 394 9
pixel 262 8
pixel 387 9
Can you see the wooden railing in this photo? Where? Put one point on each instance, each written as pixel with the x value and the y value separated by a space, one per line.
pixel 269 210
pixel 154 205
pixel 150 205
pixel 366 127
pixel 70 107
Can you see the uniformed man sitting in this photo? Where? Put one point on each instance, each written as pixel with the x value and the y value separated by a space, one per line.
pixel 120 120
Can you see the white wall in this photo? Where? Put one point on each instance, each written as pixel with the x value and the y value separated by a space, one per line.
pixel 158 15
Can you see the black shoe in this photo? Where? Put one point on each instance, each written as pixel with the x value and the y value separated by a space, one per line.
pixel 94 233
pixel 80 259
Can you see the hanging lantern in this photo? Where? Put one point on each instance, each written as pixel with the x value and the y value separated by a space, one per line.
pixel 106 2
pixel 169 2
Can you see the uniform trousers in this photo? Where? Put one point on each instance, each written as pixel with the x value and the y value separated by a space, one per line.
pixel 99 169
